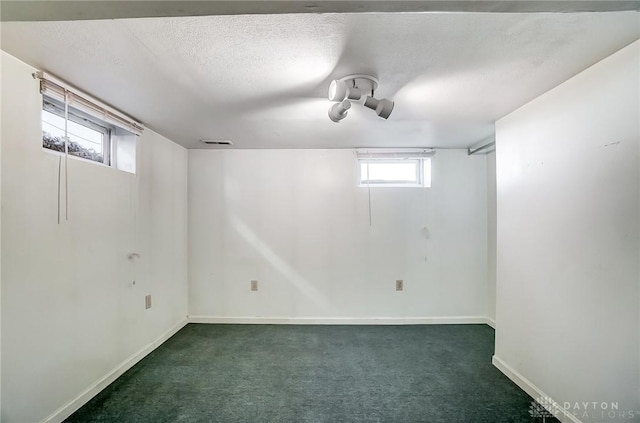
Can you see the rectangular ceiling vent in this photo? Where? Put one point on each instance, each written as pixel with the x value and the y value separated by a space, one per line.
pixel 217 142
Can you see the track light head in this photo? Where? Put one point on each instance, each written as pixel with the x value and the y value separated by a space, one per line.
pixel 339 90
pixel 338 111
pixel 383 108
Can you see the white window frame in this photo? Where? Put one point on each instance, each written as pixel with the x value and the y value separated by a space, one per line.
pixel 420 157
pixel 85 120
pixel 93 114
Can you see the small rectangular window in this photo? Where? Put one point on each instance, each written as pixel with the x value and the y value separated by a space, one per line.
pixel 80 126
pixel 398 172
pixel 87 137
pixel 394 169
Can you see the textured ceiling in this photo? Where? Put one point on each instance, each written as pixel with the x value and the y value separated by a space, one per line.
pixel 261 80
pixel 69 10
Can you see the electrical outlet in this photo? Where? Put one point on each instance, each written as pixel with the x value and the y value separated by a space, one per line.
pixel 254 285
pixel 147 301
pixel 399 285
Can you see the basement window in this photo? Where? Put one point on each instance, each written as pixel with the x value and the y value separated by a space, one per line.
pixel 75 125
pixel 87 137
pixel 394 168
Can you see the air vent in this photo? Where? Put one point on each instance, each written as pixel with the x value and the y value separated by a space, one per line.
pixel 217 142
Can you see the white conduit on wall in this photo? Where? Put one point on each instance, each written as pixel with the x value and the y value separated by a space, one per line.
pixel 483 147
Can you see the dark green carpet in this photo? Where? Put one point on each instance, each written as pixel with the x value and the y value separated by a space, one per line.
pixel 264 373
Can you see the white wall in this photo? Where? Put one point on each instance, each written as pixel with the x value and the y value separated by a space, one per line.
pixel 1 60
pixel 296 221
pixel 491 236
pixel 568 237
pixel 70 314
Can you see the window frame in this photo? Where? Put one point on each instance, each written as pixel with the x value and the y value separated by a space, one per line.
pixel 422 165
pixel 90 114
pixel 54 106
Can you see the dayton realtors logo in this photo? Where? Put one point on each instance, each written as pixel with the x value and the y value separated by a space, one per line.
pixel 598 410
pixel 545 407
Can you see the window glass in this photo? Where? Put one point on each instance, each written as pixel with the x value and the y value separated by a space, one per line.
pixel 84 142
pixel 399 172
pixel 395 172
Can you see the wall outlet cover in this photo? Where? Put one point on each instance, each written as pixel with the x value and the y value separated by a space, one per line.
pixel 254 285
pixel 399 285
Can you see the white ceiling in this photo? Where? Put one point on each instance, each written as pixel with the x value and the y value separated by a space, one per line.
pixel 72 10
pixel 261 80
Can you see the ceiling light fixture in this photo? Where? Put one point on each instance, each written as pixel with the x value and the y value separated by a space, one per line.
pixel 338 111
pixel 355 87
pixel 383 108
pixel 339 90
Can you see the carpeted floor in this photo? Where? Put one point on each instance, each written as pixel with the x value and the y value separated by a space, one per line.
pixel 264 373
